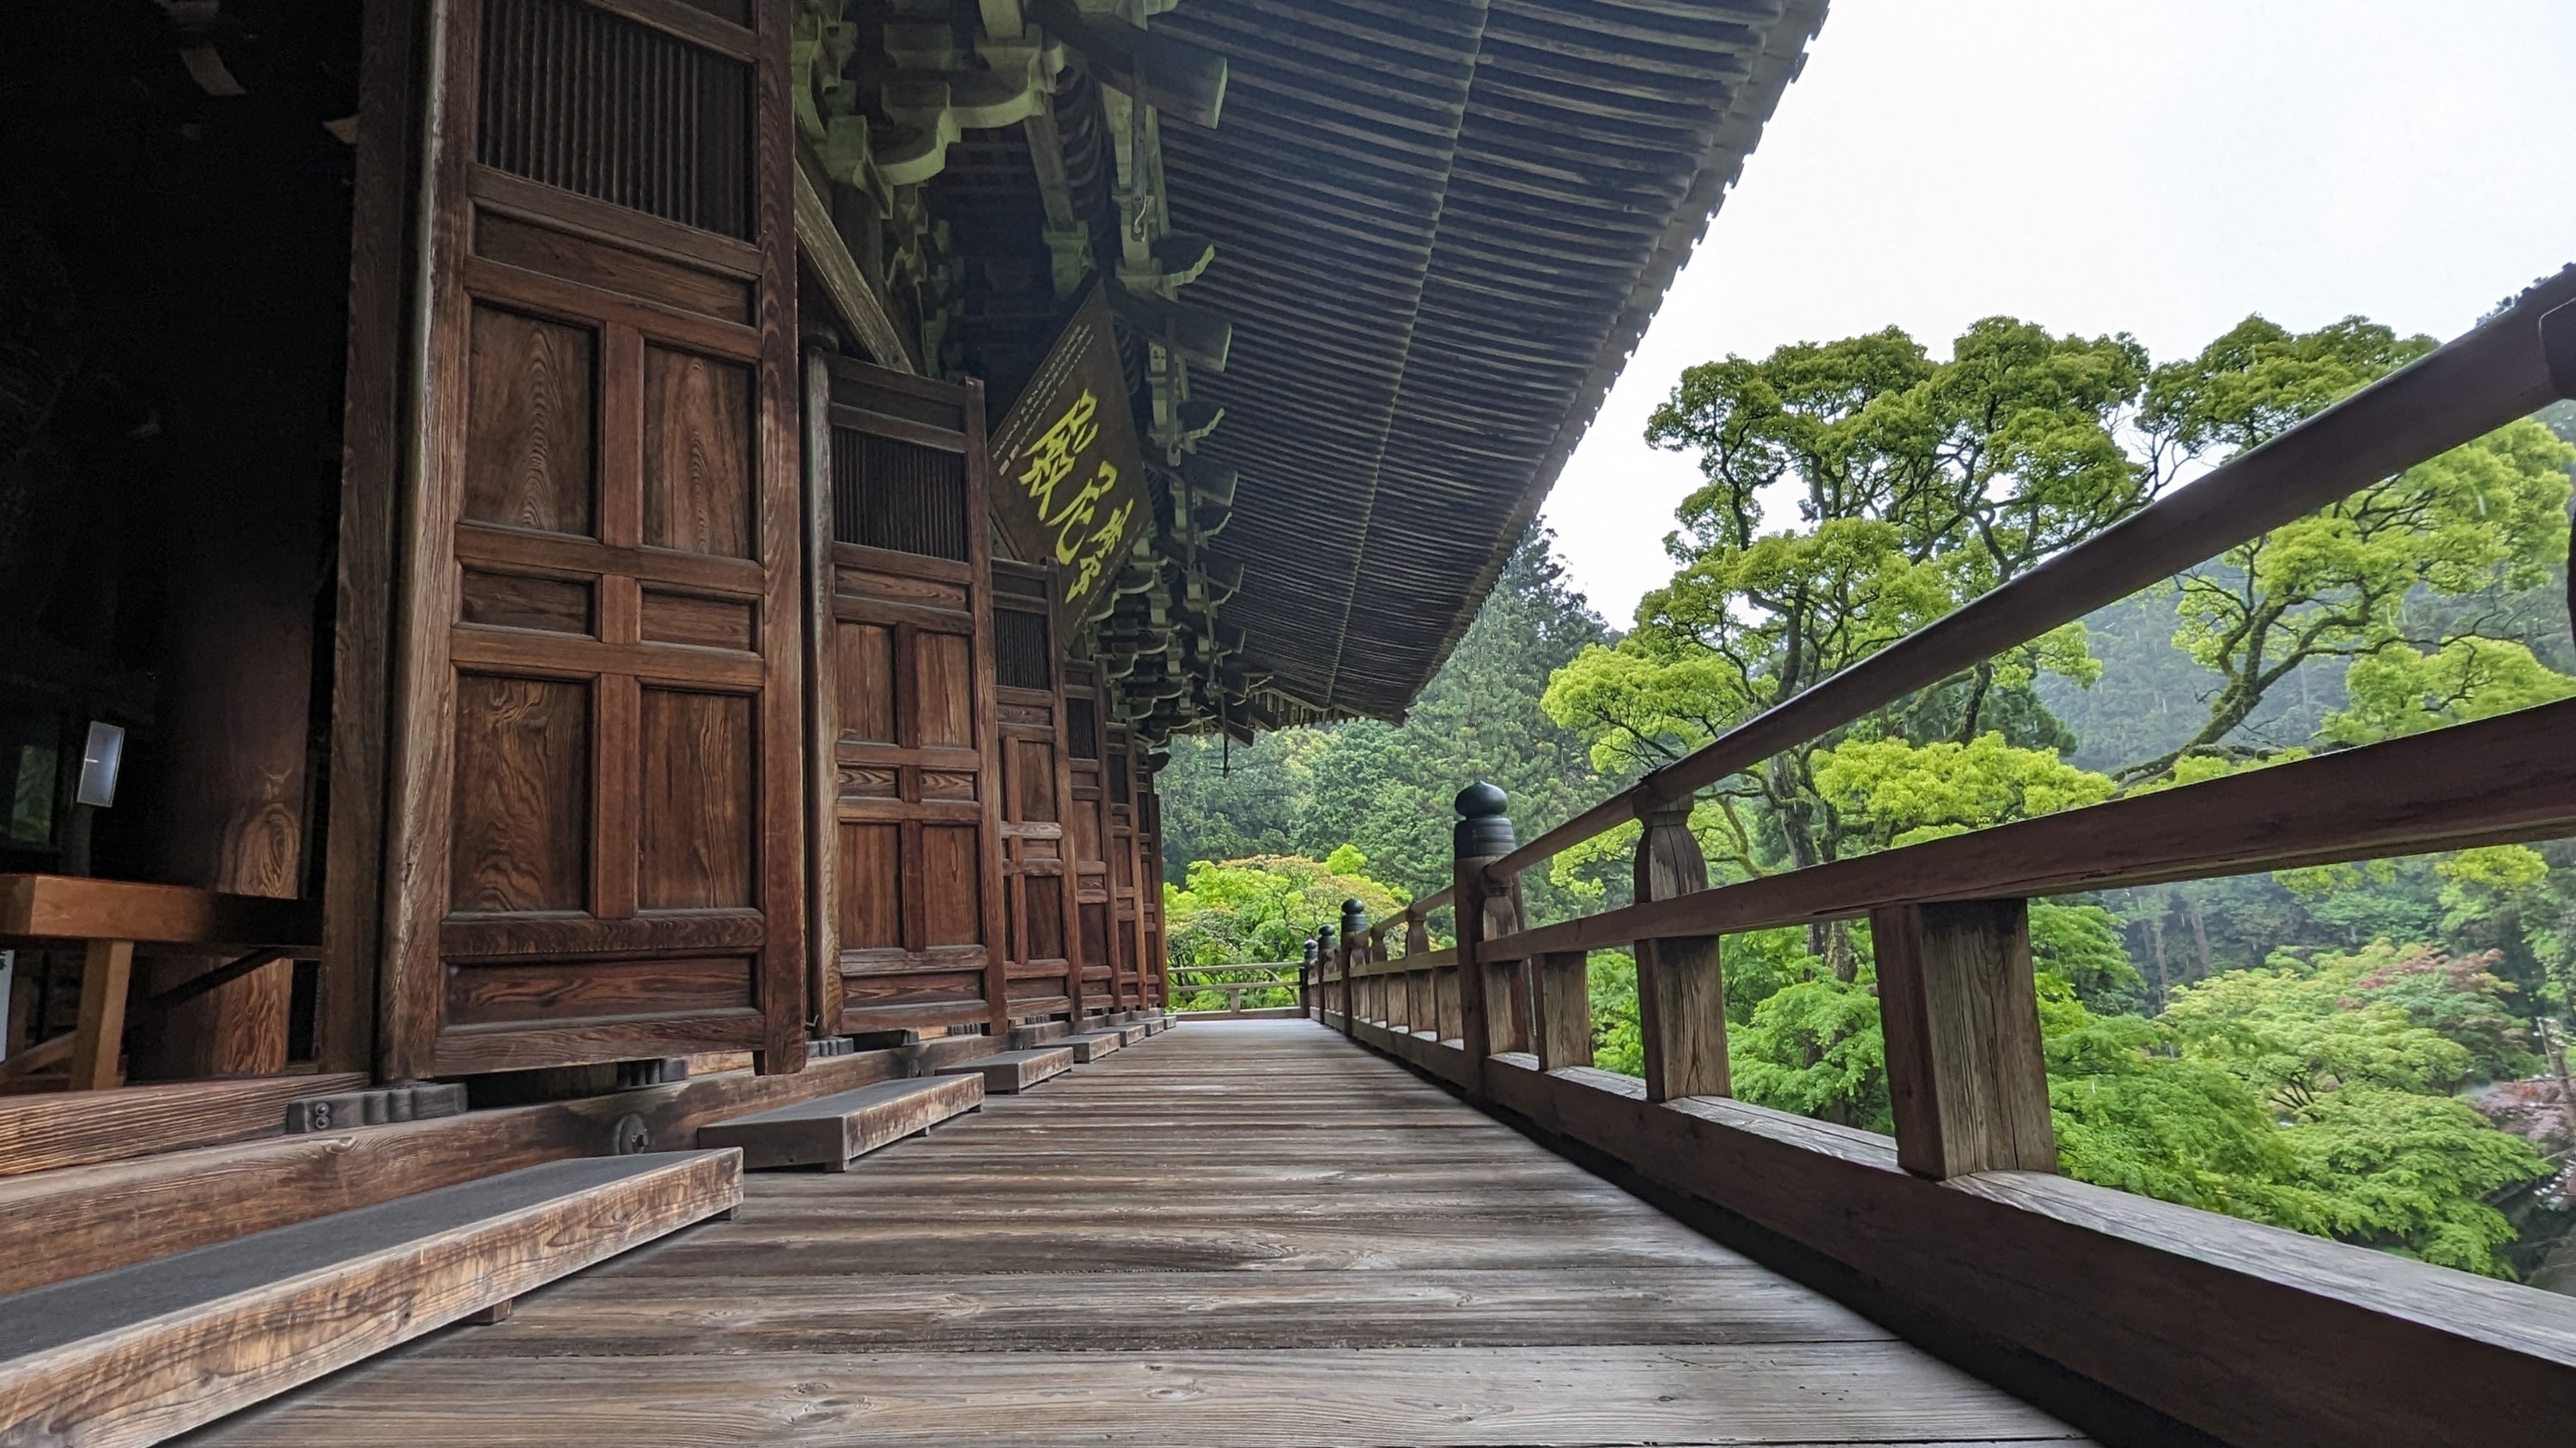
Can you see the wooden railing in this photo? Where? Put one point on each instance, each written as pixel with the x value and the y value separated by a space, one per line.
pixel 2142 1318
pixel 1285 975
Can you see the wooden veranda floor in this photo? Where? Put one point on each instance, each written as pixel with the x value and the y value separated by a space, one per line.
pixel 1239 1233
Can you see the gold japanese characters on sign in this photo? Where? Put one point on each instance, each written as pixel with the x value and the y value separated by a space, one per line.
pixel 1068 480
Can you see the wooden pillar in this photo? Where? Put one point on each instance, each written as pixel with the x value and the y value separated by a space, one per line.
pixel 1681 986
pixel 1482 836
pixel 1309 976
pixel 1562 994
pixel 1961 1013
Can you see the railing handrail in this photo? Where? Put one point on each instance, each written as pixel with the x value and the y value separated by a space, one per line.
pixel 2505 368
pixel 1289 965
pixel 2502 780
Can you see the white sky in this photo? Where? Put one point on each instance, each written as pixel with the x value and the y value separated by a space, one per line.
pixel 2161 167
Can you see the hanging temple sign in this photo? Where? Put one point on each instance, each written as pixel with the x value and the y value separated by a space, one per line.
pixel 1069 479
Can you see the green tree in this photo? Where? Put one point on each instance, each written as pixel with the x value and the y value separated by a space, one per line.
pixel 2353 580
pixel 1262 910
pixel 1917 484
pixel 1387 787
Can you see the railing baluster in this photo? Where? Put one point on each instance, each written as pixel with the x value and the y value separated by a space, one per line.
pixel 1681 985
pixel 1961 1013
pixel 1355 991
pixel 1563 996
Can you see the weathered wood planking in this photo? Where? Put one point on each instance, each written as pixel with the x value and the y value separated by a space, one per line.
pixel 134 1356
pixel 1085 1264
pixel 39 1133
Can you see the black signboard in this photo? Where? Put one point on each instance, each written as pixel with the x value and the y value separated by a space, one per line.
pixel 1068 479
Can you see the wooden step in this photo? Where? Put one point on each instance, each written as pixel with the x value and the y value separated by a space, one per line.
pixel 1037 1033
pixel 143 1353
pixel 1009 1073
pixel 1090 1046
pixel 830 1131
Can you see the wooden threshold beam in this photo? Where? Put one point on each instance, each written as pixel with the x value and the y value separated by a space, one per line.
pixel 92 1218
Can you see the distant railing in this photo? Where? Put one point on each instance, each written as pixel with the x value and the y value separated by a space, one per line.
pixel 1961 1213
pixel 1275 975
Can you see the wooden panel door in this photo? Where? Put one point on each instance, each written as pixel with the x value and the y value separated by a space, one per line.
pixel 596 813
pixel 1087 838
pixel 904 701
pixel 1036 796
pixel 1126 920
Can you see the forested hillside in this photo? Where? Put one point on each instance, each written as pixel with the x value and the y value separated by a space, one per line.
pixel 2365 1052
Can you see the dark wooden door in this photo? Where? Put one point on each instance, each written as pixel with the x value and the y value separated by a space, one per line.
pixel 596 842
pixel 1087 838
pixel 1036 795
pixel 904 702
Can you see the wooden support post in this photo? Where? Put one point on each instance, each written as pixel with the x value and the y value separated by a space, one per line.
pixel 106 976
pixel 1482 836
pixel 1444 999
pixel 1961 1013
pixel 1681 985
pixel 1562 993
pixel 1309 976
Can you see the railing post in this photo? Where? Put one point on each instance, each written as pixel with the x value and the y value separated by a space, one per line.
pixel 1681 985
pixel 1397 1008
pixel 1961 1014
pixel 1309 999
pixel 1561 1000
pixel 1326 962
pixel 1482 836
pixel 1354 950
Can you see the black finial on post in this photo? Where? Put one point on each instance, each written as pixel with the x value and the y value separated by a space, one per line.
pixel 1323 941
pixel 1482 831
pixel 1354 918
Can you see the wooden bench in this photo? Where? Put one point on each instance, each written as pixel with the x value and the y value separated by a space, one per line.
pixel 832 1131
pixel 143 1353
pixel 108 918
pixel 1008 1073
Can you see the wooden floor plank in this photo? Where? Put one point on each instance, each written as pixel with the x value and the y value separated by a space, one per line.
pixel 1859 1393
pixel 1164 1311
pixel 1243 1233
